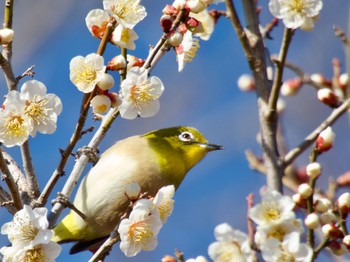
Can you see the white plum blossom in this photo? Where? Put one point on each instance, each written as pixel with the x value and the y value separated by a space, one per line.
pixel 86 72
pixel 197 259
pixel 140 230
pixel 42 109
pixel 15 126
pixel 290 249
pixel 140 94
pixel 207 24
pixel 126 12
pixel 96 21
pixel 277 231
pixel 41 252
pixel 6 36
pixel 295 13
pixel 124 37
pixel 231 245
pixel 28 227
pixel 273 209
pixel 164 202
pixel 187 50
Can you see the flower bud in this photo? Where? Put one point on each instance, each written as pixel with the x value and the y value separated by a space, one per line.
pixel 320 80
pixel 6 36
pixel 100 104
pixel 196 6
pixel 115 99
pixel 344 203
pixel 337 248
pixel 175 39
pixel 344 80
pixel 313 170
pixel 344 179
pixel 291 87
pixel 325 140
pixel 328 218
pixel 132 191
pixel 134 61
pixel 331 231
pixel 170 10
pixel 117 63
pixel 312 221
pixel 106 82
pixel 305 190
pixel 346 240
pixel 246 83
pixel 328 97
pixel 166 22
pixel 299 201
pixel 322 205
pixel 308 25
pixel 168 258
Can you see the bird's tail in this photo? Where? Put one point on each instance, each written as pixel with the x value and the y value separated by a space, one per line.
pixel 67 230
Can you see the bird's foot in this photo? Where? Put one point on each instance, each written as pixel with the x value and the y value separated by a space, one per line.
pixel 64 200
pixel 92 154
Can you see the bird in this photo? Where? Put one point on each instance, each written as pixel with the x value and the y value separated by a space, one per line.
pixel 158 158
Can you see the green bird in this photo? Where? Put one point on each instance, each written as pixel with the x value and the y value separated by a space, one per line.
pixel 153 160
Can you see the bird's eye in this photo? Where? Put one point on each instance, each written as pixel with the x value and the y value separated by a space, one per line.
pixel 186 136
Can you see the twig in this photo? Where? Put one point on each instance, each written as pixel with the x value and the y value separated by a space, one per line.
pixel 29 72
pixel 6 56
pixel 106 246
pixel 7 176
pixel 32 183
pixel 5 201
pixel 294 153
pixel 250 223
pixel 341 35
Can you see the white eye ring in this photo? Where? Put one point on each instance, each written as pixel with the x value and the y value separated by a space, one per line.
pixel 186 137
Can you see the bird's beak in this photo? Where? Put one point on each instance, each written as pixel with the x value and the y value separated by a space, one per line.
pixel 211 147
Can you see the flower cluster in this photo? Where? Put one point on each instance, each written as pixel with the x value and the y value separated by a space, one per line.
pixel 28 112
pixel 278 231
pixel 30 237
pixel 127 13
pixel 197 21
pixel 139 231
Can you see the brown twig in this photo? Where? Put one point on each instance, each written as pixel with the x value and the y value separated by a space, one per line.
pixel 309 140
pixel 29 72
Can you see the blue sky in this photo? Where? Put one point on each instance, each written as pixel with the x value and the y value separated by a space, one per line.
pixel 204 95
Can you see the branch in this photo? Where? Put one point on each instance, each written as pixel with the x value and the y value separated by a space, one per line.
pixel 309 140
pixel 33 186
pixel 7 176
pixel 287 37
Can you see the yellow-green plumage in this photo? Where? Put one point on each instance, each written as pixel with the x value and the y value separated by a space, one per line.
pixel 153 160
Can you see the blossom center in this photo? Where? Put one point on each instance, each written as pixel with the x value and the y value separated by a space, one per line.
pixel 14 126
pixel 140 232
pixel 141 95
pixel 85 72
pixel 297 6
pixel 272 212
pixel 122 9
pixel 191 53
pixel 125 36
pixel 34 255
pixel 36 110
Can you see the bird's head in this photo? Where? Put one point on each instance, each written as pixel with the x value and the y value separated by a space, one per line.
pixel 182 142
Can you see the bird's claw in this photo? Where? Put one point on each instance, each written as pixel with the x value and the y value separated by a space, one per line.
pixel 89 152
pixel 64 200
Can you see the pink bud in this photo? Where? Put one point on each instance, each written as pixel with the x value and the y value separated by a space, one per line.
pixel 117 63
pixel 344 203
pixel 325 140
pixel 246 83
pixel 321 80
pixel 291 86
pixel 332 231
pixel 166 22
pixel 344 179
pixel 328 97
